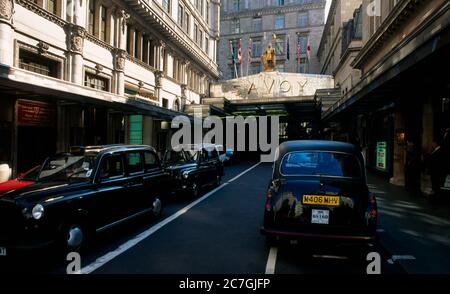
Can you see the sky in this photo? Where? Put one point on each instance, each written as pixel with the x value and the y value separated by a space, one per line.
pixel 327 8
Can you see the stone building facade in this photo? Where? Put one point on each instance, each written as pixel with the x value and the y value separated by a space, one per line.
pixel 256 24
pixel 83 72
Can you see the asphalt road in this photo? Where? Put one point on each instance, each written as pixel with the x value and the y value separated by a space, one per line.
pixel 217 233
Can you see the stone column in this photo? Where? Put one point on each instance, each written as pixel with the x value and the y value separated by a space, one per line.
pixel 158 83
pixel 76 36
pixel 79 12
pixel 119 67
pixel 6 32
pixel 399 152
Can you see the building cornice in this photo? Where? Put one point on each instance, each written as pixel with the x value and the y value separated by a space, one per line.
pixel 389 26
pixel 273 10
pixel 41 12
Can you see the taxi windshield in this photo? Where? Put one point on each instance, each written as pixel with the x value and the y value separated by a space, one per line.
pixel 67 167
pixel 320 163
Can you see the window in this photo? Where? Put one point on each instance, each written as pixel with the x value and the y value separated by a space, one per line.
pixel 256 48
pixel 200 39
pixel 320 163
pixel 51 6
pixel 102 23
pixel 279 22
pixel 207 45
pixel 186 23
pixel 235 26
pixel 281 67
pixel 134 162
pixel 236 5
pixel 180 15
pixel 280 2
pixel 303 20
pixel 166 5
pixel 257 24
pixel 255 68
pixel 38 64
pixel 303 66
pixel 165 103
pixel 136 43
pixel 95 82
pixel 91 17
pixel 112 166
pixel 280 42
pixel 196 33
pixel 302 44
pixel 150 161
pixel 129 32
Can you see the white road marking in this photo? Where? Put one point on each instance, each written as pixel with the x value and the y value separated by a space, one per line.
pixel 381 230
pixel 99 262
pixel 244 172
pixel 400 257
pixel 271 261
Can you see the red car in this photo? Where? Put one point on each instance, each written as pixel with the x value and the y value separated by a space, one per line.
pixel 24 179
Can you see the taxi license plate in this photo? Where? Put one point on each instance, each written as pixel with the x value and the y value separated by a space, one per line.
pixel 319 216
pixel 321 200
pixel 2 251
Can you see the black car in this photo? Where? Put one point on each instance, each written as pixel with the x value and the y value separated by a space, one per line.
pixel 85 191
pixel 319 191
pixel 193 168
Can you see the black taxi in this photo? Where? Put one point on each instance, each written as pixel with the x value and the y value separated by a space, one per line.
pixel 319 191
pixel 192 167
pixel 79 193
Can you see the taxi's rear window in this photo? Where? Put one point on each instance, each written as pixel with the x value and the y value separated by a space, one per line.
pixel 321 163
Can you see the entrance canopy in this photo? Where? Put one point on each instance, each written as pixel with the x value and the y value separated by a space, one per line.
pixel 269 93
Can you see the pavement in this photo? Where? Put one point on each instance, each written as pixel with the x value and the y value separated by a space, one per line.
pixel 415 231
pixel 218 233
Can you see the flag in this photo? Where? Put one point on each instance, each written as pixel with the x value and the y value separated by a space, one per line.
pixel 308 50
pixel 232 52
pixel 249 53
pixel 241 60
pixel 288 50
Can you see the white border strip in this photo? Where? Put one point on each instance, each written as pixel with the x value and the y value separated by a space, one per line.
pixel 99 262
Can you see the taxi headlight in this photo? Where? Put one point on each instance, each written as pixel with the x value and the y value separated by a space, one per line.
pixel 38 211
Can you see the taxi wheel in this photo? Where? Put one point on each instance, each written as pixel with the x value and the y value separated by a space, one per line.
pixel 73 236
pixel 156 208
pixel 218 180
pixel 195 189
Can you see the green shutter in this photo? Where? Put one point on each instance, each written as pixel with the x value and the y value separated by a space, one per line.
pixel 135 129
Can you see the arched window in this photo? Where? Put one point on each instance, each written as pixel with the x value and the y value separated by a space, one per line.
pixel 176 105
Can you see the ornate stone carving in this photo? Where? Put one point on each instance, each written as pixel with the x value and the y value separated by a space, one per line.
pixel 98 68
pixel 158 77
pixel 42 47
pixel 76 38
pixel 120 58
pixel 123 17
pixel 6 10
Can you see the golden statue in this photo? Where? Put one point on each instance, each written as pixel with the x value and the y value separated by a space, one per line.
pixel 268 59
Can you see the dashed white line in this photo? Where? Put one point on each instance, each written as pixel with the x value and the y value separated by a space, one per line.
pixel 99 262
pixel 271 261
